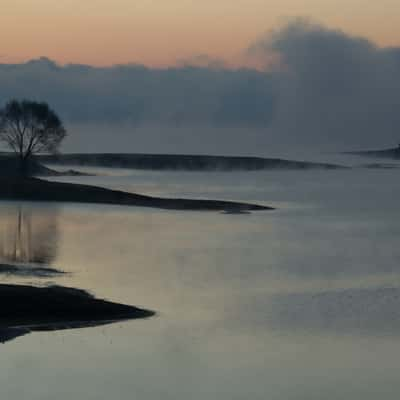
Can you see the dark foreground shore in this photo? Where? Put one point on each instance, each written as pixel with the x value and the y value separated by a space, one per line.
pixel 33 189
pixel 27 309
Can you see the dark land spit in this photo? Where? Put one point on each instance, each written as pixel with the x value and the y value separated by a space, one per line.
pixel 392 153
pixel 176 162
pixel 33 189
pixel 28 309
pixel 381 166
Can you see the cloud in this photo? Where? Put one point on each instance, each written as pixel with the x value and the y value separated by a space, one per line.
pixel 136 94
pixel 202 60
pixel 334 87
pixel 325 89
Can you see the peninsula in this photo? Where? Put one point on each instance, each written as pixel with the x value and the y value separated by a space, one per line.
pixel 28 309
pixel 390 153
pixel 34 189
pixel 180 162
pixel 30 188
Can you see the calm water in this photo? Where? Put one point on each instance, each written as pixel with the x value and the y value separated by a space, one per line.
pixel 299 303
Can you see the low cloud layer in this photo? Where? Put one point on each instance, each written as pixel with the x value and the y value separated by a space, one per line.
pixel 328 90
pixel 136 94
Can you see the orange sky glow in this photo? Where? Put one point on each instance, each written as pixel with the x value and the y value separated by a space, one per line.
pixel 161 33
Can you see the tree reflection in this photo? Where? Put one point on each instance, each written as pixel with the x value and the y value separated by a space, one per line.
pixel 28 235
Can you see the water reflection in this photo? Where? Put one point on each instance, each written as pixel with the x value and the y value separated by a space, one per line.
pixel 29 271
pixel 28 246
pixel 27 236
pixel 28 241
pixel 373 312
pixel 10 333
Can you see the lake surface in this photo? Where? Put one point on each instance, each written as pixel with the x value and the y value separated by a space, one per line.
pixel 298 303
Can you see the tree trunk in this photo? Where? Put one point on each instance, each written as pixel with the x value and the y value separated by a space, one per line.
pixel 23 167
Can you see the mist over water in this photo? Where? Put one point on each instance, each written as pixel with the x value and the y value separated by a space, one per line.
pixel 301 302
pixel 297 303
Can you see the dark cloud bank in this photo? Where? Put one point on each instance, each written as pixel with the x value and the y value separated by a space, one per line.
pixel 330 91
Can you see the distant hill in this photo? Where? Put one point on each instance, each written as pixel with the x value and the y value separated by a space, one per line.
pixel 181 162
pixel 393 153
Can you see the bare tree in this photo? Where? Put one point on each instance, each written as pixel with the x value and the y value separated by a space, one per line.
pixel 28 128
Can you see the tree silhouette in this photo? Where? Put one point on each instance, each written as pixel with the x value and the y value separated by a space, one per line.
pixel 28 128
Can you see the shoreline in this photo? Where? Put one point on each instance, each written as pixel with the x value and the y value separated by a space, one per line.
pixel 37 309
pixel 35 189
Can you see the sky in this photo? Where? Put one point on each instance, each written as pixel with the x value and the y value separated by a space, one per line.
pixel 242 77
pixel 164 33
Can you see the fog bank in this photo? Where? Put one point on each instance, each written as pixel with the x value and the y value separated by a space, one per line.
pixel 326 91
